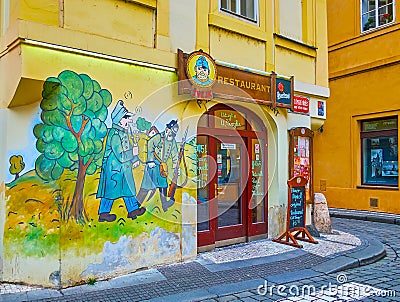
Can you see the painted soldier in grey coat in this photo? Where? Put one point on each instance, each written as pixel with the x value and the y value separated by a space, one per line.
pixel 160 148
pixel 116 178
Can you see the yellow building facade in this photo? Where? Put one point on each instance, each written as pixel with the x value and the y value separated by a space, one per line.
pixel 356 155
pixel 110 162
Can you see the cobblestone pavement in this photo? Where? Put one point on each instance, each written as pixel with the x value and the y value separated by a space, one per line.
pixel 379 281
pixel 193 277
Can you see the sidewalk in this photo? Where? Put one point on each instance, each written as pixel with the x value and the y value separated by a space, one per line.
pixel 221 272
pixel 365 215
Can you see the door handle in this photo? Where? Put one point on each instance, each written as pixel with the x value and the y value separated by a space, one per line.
pixel 218 190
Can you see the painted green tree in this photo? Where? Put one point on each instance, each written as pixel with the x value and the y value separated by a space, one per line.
pixel 74 110
pixel 142 124
pixel 16 165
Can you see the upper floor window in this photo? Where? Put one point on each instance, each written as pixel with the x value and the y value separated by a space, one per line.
pixel 243 8
pixel 376 13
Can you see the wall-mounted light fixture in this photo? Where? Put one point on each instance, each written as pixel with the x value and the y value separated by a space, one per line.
pixel 97 55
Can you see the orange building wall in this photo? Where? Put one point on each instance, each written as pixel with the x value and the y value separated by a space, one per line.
pixel 364 80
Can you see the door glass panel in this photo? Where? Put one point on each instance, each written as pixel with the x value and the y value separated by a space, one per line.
pixel 203 213
pixel 229 184
pixel 257 180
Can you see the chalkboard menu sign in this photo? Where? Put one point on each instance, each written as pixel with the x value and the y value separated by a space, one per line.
pixel 296 214
pixel 296 211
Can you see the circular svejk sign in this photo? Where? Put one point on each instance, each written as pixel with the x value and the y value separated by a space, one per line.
pixel 201 69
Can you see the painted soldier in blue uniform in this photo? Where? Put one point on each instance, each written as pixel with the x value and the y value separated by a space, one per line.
pixel 116 178
pixel 160 148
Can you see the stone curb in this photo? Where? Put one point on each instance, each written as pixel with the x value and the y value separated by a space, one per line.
pixel 365 215
pixel 373 252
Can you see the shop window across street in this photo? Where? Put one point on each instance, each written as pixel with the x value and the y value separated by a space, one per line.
pixel 379 145
pixel 243 8
pixel 376 13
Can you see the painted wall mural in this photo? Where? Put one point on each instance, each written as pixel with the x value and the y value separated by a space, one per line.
pixel 97 187
pixel 74 108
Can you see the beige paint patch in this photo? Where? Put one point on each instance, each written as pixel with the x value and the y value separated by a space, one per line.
pixel 36 271
pixel 276 221
pixel 125 256
pixel 189 227
pixel 20 121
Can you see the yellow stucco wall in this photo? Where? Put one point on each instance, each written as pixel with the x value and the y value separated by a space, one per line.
pixel 147 31
pixel 41 11
pixel 121 20
pixel 305 65
pixel 222 42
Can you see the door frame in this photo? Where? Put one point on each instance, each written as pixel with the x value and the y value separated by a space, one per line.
pixel 249 229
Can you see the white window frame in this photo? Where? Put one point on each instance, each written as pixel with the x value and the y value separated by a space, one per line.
pixel 237 12
pixel 376 8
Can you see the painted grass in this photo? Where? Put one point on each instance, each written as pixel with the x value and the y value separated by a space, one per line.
pixel 37 222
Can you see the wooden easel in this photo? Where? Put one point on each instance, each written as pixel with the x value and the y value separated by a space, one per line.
pixel 295 215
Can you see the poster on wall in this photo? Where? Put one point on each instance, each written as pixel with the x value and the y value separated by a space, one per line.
pixel 376 162
pixel 302 160
pixel 301 157
pixel 393 147
pixel 390 168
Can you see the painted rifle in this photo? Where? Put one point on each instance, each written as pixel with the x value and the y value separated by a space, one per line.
pixel 173 186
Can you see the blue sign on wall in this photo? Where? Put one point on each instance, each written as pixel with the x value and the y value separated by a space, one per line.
pixel 321 108
pixel 284 93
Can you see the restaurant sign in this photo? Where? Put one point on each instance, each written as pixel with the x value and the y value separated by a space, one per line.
pixel 204 79
pixel 201 71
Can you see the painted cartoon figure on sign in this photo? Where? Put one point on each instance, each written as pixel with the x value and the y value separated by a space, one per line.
pixel 160 148
pixel 116 178
pixel 202 71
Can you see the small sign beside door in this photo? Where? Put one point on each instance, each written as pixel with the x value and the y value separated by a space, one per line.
pixel 301 104
pixel 225 146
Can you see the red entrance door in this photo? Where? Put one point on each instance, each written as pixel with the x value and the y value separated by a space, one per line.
pixel 231 185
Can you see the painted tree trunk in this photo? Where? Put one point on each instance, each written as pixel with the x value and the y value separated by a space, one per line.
pixel 16 176
pixel 77 209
